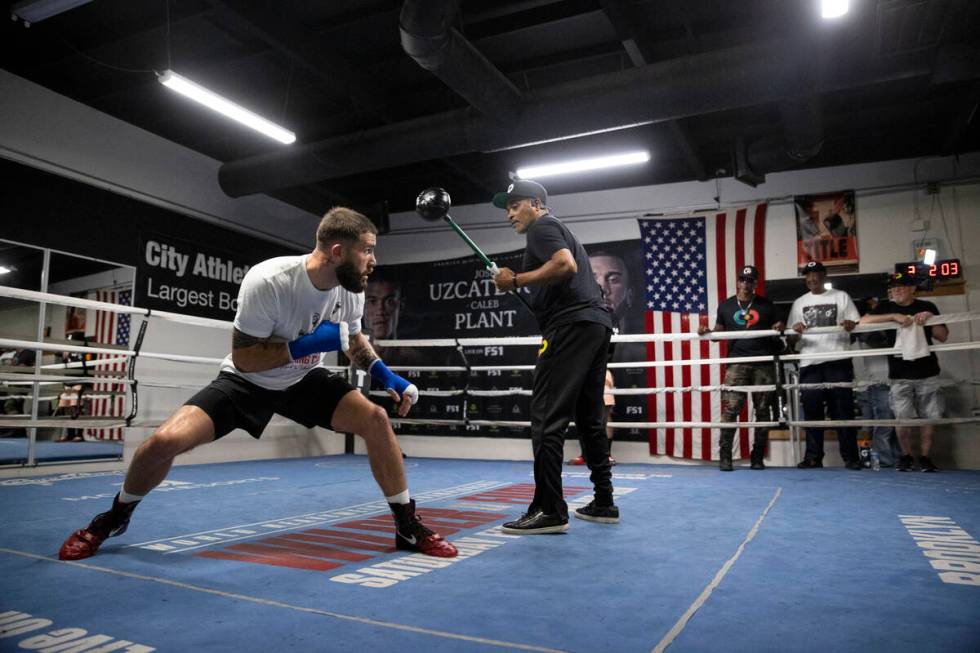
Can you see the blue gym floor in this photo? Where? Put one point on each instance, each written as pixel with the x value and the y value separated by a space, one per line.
pixel 13 451
pixel 297 555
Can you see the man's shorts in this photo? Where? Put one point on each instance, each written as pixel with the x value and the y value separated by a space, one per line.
pixel 232 402
pixel 911 398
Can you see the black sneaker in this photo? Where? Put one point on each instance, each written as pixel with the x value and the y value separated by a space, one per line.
pixel 926 465
pixel 904 463
pixel 600 514
pixel 810 463
pixel 536 523
pixel 854 464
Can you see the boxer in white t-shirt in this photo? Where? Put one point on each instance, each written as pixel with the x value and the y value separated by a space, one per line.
pixel 291 310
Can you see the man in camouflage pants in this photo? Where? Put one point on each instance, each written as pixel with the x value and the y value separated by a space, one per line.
pixel 746 311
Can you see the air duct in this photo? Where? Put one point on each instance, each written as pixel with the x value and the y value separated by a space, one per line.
pixel 428 37
pixel 689 86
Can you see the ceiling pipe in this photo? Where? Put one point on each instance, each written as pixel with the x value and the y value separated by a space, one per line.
pixel 801 140
pixel 428 37
pixel 689 86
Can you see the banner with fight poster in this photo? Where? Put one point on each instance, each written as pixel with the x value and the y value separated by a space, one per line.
pixel 826 231
pixel 456 298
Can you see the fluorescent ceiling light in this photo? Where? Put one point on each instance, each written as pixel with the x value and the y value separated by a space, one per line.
pixel 569 137
pixel 5 270
pixel 929 257
pixel 580 165
pixel 224 106
pixel 833 8
pixel 34 11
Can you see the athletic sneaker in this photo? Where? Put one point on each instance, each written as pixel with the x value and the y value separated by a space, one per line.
pixel 85 542
pixel 904 463
pixel 600 514
pixel 577 461
pixel 537 522
pixel 412 535
pixel 81 544
pixel 926 465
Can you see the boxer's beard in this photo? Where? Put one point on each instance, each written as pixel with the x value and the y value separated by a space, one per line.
pixel 350 278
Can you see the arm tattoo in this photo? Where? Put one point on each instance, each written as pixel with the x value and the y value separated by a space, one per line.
pixel 241 340
pixel 361 352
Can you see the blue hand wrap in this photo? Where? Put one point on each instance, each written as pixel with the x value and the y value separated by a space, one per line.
pixel 327 336
pixel 387 378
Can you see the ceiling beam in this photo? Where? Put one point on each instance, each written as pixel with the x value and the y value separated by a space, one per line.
pixel 635 35
pixel 306 49
pixel 703 83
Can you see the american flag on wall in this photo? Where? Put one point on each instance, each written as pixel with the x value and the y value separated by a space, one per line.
pixel 690 267
pixel 110 329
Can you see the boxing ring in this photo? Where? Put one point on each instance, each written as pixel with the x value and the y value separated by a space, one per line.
pixel 787 389
pixel 296 554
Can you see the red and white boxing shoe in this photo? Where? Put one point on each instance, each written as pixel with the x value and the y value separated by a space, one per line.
pixel 412 535
pixel 81 544
pixel 85 542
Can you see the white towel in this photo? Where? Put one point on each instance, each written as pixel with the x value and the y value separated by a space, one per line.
pixel 912 341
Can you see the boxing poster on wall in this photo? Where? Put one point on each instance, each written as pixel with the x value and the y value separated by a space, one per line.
pixel 186 277
pixel 456 298
pixel 826 231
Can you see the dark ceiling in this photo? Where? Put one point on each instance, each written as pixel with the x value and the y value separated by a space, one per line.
pixel 710 88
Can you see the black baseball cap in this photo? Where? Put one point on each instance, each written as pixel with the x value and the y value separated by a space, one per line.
pixel 520 188
pixel 748 272
pixel 900 279
pixel 814 266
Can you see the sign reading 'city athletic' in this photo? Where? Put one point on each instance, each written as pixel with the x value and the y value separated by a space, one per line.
pixel 185 277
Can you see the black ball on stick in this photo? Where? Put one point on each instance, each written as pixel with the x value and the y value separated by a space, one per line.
pixel 433 204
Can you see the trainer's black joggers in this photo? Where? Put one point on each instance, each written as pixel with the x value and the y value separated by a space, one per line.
pixel 569 380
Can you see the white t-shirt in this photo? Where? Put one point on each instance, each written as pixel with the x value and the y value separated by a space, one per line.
pixel 277 299
pixel 829 308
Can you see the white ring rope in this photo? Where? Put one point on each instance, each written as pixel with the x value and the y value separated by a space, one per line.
pixel 45 346
pixel 47 379
pixel 882 422
pixel 86 422
pixel 849 353
pixel 690 388
pixel 499 393
pixel 68 380
pixel 81 423
pixel 693 425
pixel 63 300
pixel 426 368
pixel 100 423
pixel 31 295
pixel 502 368
pixel 85 364
pixel 425 393
pixel 121 355
pixel 863 353
pixel 948 318
pixel 429 422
